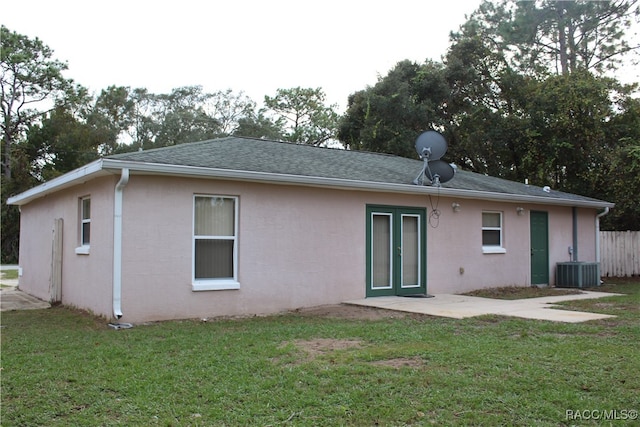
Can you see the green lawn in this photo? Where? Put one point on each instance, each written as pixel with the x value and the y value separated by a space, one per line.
pixel 7 274
pixel 62 367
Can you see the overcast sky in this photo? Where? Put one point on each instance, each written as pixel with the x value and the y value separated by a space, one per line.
pixel 255 46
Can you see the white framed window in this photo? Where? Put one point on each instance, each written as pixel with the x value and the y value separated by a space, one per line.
pixel 492 233
pixel 215 242
pixel 85 226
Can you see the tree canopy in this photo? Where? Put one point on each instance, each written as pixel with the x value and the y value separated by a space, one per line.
pixel 50 125
pixel 524 91
pixel 303 115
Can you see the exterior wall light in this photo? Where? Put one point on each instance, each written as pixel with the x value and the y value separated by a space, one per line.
pixel 520 211
pixel 455 206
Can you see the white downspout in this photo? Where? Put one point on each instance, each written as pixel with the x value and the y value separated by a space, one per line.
pixel 117 243
pixel 600 215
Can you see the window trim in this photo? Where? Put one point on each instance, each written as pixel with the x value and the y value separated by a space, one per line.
pixel 223 283
pixel 495 249
pixel 83 248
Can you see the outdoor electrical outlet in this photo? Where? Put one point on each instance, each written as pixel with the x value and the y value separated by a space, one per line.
pixel 461 270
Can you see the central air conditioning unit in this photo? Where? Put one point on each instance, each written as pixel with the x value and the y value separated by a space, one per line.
pixel 577 274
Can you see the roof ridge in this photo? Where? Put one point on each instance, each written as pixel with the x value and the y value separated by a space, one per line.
pixel 251 138
pixel 310 146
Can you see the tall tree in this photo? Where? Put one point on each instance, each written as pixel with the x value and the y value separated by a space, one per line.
pixel 183 118
pixel 61 143
pixel 486 104
pixel 390 115
pixel 113 113
pixel 570 115
pixel 228 108
pixel 561 36
pixel 308 119
pixel 618 179
pixel 258 124
pixel 31 81
pixel 528 89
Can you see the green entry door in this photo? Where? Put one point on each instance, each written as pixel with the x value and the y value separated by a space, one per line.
pixel 396 251
pixel 539 248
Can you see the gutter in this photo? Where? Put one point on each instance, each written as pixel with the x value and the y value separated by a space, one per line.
pixel 117 243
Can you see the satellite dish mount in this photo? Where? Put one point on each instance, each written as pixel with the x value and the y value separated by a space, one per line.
pixel 431 146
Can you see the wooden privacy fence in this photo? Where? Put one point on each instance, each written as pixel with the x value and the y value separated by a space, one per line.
pixel 619 253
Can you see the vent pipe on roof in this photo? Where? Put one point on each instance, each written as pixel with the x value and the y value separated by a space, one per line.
pixel 117 243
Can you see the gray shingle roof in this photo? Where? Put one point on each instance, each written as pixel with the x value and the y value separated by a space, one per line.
pixel 257 155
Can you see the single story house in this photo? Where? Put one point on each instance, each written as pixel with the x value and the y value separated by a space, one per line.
pixel 240 226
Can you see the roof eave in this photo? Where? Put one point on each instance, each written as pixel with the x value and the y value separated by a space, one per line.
pixel 102 166
pixel 243 175
pixel 69 179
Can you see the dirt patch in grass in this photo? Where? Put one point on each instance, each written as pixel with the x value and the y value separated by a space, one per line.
pixel 521 292
pixel 319 346
pixel 400 362
pixel 353 312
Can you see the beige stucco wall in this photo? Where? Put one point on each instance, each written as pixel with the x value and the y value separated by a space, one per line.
pixel 298 246
pixel 456 262
pixel 86 279
pixel 305 246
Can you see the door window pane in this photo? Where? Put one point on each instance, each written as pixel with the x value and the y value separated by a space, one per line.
pixel 410 251
pixel 381 251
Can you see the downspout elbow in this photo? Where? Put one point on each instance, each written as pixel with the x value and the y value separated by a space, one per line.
pixel 117 243
pixel 603 213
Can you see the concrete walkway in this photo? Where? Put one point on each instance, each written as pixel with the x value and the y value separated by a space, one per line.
pixel 462 306
pixel 13 299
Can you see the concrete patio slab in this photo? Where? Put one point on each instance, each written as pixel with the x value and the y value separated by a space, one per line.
pixel 13 299
pixel 462 306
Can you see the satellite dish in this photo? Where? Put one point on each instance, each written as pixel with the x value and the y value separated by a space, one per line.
pixel 439 170
pixel 431 146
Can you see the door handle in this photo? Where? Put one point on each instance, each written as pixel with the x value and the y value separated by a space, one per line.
pixel 399 250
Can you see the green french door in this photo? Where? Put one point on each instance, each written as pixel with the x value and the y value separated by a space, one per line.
pixel 539 229
pixel 396 251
